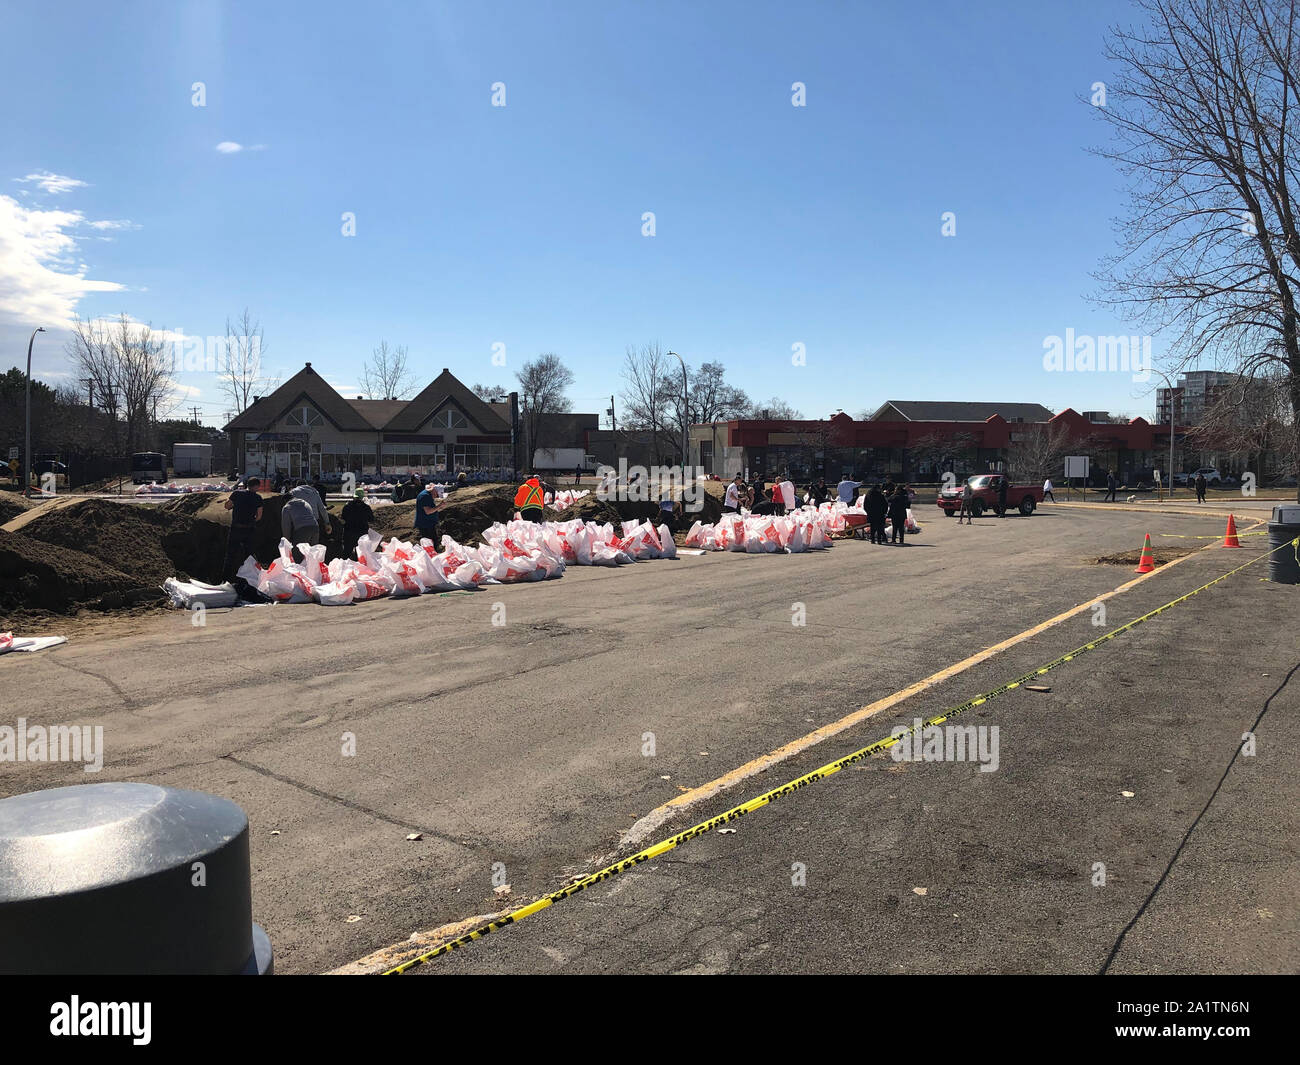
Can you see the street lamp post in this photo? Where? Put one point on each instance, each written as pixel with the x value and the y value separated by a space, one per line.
pixel 685 413
pixel 1169 473
pixel 27 435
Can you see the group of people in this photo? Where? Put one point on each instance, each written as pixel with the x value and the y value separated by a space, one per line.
pixel 305 520
pixel 887 501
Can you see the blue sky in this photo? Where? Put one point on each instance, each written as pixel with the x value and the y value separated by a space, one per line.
pixel 775 225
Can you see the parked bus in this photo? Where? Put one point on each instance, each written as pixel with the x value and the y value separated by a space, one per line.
pixel 148 466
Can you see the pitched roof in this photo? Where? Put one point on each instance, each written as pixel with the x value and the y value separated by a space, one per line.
pixel 305 384
pixel 441 390
pixel 378 412
pixel 960 411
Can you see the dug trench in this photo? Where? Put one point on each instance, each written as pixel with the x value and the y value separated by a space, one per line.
pixel 70 555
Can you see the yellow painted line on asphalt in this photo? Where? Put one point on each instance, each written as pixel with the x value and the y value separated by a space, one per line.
pixel 658 816
pixel 917 729
pixel 1155 509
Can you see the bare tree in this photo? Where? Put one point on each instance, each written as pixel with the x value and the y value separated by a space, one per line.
pixel 131 372
pixel 1250 418
pixel 1204 113
pixel 1037 451
pixel 647 403
pixel 543 383
pixel 774 409
pixel 491 393
pixel 241 377
pixel 944 449
pixel 709 398
pixel 385 375
pixel 91 350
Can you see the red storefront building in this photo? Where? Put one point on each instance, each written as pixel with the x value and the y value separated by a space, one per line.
pixel 918 441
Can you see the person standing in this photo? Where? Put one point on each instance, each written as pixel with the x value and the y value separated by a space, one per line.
pixel 1047 490
pixel 245 506
pixel 818 493
pixel 967 510
pixel 357 517
pixel 778 499
pixel 731 501
pixel 1112 486
pixel 668 510
pixel 898 514
pixel 1200 488
pixel 1002 496
pixel 847 491
pixel 877 506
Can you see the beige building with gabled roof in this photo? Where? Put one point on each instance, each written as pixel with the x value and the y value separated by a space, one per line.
pixel 305 428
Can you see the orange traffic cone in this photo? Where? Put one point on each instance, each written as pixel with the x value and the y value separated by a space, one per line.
pixel 1146 563
pixel 1230 536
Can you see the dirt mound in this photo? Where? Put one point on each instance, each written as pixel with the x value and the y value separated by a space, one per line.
pixel 1160 554
pixel 36 576
pixel 11 505
pixel 141 541
pixel 463 517
pixel 208 524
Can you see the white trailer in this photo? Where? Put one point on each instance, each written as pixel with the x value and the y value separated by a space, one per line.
pixel 191 460
pixel 563 460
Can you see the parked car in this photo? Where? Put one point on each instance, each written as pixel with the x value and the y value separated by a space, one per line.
pixel 1211 476
pixel 984 486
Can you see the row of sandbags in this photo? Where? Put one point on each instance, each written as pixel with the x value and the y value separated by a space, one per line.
pixel 513 551
pixel 800 530
pixel 567 498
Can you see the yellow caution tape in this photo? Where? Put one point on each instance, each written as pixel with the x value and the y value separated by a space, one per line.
pixel 828 770
pixel 1216 536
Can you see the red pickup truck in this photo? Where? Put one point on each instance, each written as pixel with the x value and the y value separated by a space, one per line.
pixel 984 488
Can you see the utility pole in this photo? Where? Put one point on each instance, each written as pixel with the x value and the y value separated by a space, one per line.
pixel 89 382
pixel 1169 473
pixel 194 413
pixel 27 436
pixel 686 411
pixel 613 425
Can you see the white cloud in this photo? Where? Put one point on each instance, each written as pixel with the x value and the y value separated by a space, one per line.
pixel 113 223
pixel 231 147
pixel 53 183
pixel 41 281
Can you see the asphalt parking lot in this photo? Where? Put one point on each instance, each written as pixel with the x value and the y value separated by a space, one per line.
pixel 520 752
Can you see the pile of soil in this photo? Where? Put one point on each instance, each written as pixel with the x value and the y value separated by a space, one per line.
pixel 463 517
pixel 143 542
pixel 11 505
pixel 207 524
pixel 38 577
pixel 1159 553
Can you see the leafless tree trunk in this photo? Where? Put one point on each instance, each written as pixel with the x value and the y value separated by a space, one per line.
pixel 385 374
pixel 647 378
pixel 241 377
pixel 1204 114
pixel 543 383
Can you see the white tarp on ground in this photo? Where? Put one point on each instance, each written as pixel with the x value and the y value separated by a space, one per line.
pixel 10 642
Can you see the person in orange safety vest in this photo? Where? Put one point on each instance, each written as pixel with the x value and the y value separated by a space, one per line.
pixel 530 498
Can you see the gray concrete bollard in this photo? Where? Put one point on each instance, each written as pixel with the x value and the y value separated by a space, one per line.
pixel 123 878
